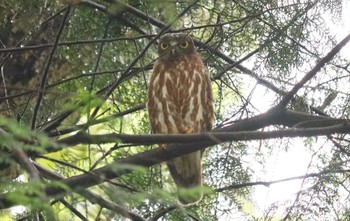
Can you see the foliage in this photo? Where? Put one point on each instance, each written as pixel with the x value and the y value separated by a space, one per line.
pixel 97 76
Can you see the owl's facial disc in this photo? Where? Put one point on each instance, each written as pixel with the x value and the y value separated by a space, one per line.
pixel 175 45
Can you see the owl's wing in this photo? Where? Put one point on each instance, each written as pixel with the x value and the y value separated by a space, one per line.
pixel 209 104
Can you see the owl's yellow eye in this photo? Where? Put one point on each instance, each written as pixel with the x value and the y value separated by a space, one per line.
pixel 184 44
pixel 164 45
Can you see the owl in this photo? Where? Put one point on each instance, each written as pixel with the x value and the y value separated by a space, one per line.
pixel 180 101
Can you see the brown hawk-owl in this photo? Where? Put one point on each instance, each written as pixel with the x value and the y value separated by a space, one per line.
pixel 180 101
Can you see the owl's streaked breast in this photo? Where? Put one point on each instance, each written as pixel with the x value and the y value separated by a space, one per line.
pixel 180 101
pixel 177 97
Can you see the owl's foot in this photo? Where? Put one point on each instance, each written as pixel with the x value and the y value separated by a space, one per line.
pixel 164 146
pixel 187 130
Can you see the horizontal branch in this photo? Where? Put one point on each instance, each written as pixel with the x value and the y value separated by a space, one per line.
pixel 303 125
pixel 76 42
pixel 152 157
pixel 318 125
pixel 206 137
pixel 268 183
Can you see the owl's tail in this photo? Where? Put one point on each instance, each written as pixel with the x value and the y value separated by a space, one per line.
pixel 187 174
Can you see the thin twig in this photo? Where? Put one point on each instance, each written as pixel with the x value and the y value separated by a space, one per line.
pixel 77 42
pixel 73 210
pixel 92 197
pixel 269 183
pixel 286 98
pixel 266 43
pixel 162 212
pixel 89 172
pixel 23 159
pixel 46 70
pixel 97 121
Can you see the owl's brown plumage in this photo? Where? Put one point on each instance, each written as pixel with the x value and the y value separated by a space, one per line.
pixel 180 101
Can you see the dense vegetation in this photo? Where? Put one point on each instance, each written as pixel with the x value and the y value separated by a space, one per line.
pixel 75 139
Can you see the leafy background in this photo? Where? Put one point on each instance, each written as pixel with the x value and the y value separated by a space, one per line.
pixel 83 66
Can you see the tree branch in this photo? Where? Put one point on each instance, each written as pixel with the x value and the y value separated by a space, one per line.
pixel 46 70
pixel 286 98
pixel 92 197
pixel 286 118
pixel 158 155
pixel 215 137
pixel 269 183
pixel 308 125
pixel 162 212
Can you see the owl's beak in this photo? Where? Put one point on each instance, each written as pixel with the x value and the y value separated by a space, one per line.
pixel 173 47
pixel 173 43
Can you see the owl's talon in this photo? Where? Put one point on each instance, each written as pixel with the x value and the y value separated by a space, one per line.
pixel 188 130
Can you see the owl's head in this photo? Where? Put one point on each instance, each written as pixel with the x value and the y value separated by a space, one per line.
pixel 172 46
